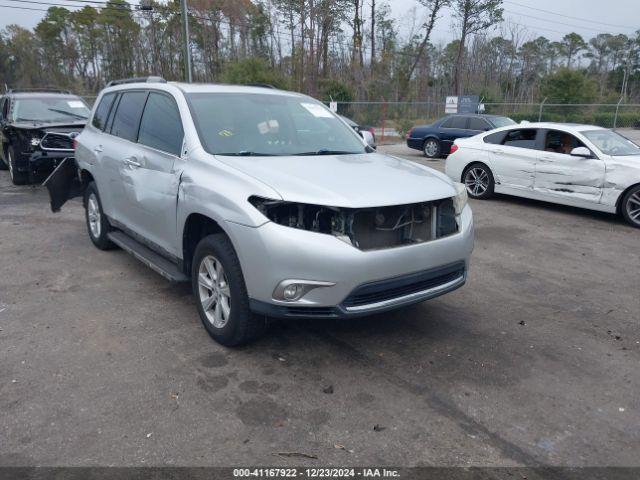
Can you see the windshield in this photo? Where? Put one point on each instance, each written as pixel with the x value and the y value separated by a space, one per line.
pixel 266 124
pixel 49 109
pixel 612 143
pixel 502 121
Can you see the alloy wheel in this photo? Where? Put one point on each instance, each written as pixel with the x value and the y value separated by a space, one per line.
pixel 93 215
pixel 431 148
pixel 214 291
pixel 633 207
pixel 476 181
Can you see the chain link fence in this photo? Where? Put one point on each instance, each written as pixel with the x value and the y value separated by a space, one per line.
pixel 392 120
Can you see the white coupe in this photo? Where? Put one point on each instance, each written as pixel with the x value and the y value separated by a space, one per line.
pixel 579 165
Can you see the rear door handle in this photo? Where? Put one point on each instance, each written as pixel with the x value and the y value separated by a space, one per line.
pixel 98 149
pixel 497 152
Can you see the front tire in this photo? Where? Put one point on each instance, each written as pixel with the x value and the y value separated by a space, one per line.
pixel 630 206
pixel 479 181
pixel 97 223
pixel 431 148
pixel 221 294
pixel 18 178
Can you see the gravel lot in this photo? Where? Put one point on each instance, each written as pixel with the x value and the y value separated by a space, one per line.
pixel 534 361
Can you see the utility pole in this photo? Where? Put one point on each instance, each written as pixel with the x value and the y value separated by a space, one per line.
pixel 187 49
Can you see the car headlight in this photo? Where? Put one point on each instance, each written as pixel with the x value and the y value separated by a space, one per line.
pixel 461 198
pixel 35 141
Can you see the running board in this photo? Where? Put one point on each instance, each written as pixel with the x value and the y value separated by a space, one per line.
pixel 147 256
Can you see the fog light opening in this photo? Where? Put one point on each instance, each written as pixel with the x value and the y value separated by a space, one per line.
pixel 294 290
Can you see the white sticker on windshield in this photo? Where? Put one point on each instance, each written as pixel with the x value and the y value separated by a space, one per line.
pixel 317 110
pixel 75 104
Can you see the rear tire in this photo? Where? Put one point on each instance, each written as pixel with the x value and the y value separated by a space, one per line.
pixel 221 294
pixel 630 207
pixel 431 148
pixel 479 181
pixel 97 223
pixel 18 178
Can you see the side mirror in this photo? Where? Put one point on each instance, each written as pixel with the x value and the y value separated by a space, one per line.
pixel 368 137
pixel 583 152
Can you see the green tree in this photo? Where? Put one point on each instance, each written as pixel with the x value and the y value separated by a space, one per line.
pixel 253 70
pixel 569 86
pixel 572 44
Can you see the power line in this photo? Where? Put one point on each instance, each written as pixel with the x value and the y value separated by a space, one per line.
pixel 557 22
pixel 569 16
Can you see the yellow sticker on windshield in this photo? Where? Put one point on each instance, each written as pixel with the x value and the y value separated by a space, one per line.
pixel 225 133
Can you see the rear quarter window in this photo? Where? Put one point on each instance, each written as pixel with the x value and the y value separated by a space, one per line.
pixel 495 138
pixel 102 112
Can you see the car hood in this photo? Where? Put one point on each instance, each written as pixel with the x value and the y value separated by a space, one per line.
pixel 350 181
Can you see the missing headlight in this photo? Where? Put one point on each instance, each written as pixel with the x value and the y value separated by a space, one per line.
pixel 366 228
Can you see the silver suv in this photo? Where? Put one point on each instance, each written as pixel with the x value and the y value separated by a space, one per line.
pixel 268 203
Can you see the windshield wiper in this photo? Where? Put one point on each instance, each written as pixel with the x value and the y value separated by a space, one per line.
pixel 324 151
pixel 71 114
pixel 246 153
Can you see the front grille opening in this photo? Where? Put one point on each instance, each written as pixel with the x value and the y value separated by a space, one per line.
pixel 367 228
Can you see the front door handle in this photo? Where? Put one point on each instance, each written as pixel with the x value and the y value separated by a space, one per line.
pixel 131 162
pixel 98 149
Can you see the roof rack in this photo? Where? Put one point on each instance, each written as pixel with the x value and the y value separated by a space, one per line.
pixel 123 81
pixel 262 85
pixel 38 90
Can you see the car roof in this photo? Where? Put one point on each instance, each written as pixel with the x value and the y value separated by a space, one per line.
pixel 201 88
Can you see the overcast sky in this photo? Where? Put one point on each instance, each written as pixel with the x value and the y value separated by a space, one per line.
pixel 551 18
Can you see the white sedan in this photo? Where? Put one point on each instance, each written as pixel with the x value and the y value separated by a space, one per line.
pixel 579 165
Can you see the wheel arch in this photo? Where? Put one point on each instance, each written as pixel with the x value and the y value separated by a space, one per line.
pixel 196 227
pixel 622 195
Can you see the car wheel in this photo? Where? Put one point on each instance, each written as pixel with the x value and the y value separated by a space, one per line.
pixel 631 206
pixel 431 148
pixel 18 178
pixel 221 294
pixel 479 181
pixel 97 223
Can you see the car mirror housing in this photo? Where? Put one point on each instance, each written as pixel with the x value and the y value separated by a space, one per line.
pixel 581 152
pixel 368 137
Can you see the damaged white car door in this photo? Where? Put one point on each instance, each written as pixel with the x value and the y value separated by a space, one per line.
pixel 568 169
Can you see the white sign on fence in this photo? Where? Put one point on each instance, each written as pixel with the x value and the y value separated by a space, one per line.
pixel 333 106
pixel 451 105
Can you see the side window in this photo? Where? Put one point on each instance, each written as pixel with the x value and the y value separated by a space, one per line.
pixel 127 117
pixel 455 121
pixel 495 138
pixel 161 126
pixel 477 123
pixel 561 142
pixel 522 138
pixel 102 112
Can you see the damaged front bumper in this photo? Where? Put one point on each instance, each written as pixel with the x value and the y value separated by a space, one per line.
pixel 358 282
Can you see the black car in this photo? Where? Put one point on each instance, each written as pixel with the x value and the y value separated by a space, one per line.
pixel 436 139
pixel 37 128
